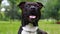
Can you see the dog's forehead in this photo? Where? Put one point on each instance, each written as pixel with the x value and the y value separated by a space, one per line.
pixel 32 3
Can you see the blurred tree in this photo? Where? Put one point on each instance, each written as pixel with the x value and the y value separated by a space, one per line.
pixel 0 1
pixel 27 0
pixel 0 8
pixel 13 13
pixel 51 9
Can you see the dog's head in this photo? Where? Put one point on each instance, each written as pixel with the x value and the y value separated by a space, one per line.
pixel 31 10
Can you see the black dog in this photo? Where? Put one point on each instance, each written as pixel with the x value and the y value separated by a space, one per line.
pixel 30 17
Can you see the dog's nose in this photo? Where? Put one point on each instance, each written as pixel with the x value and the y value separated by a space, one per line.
pixel 33 8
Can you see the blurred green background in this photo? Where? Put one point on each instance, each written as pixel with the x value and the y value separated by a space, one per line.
pixel 10 16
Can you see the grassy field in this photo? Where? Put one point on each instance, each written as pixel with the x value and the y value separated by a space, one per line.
pixel 11 27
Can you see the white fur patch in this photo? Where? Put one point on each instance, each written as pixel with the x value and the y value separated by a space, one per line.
pixel 29 29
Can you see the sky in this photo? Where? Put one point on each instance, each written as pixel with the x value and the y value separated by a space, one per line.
pixel 4 3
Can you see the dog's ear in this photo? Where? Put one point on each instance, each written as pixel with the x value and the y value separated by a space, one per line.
pixel 21 4
pixel 40 5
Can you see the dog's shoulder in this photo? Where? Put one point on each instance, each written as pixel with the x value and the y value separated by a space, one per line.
pixel 41 32
pixel 20 30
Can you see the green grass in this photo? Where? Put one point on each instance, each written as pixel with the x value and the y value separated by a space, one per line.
pixel 11 27
pixel 50 28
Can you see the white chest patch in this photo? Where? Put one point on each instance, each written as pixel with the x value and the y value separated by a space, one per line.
pixel 29 29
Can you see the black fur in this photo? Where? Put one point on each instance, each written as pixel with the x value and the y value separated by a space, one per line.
pixel 30 8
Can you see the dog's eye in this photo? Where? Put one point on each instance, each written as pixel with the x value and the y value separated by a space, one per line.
pixel 36 5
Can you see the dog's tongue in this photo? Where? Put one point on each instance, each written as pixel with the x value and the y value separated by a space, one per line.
pixel 32 16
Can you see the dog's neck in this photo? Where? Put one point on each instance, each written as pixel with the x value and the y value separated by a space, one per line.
pixel 30 28
pixel 26 22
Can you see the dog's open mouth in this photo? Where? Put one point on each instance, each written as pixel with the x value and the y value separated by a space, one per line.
pixel 32 16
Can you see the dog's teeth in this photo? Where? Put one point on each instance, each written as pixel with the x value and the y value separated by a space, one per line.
pixel 32 16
